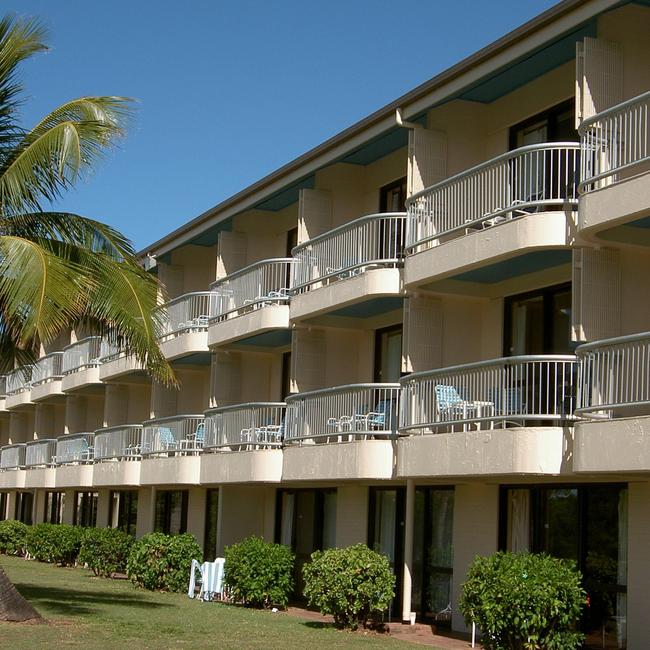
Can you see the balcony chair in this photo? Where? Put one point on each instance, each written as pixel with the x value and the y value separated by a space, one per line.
pixel 451 407
pixel 271 433
pixel 508 402
pixel 195 440
pixel 210 579
pixel 383 417
pixel 166 438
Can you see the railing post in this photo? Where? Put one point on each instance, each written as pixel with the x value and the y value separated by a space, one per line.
pixel 409 524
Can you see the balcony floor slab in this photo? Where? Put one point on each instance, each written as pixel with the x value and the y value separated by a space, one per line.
pixel 12 479
pixel 126 368
pixel 51 390
pixel 177 470
pixel 117 473
pixel 185 344
pixel 40 477
pixel 81 380
pixel 253 323
pixel 255 466
pixel 19 400
pixel 517 451
pixel 73 476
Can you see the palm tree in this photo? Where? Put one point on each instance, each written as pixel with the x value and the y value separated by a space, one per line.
pixel 60 270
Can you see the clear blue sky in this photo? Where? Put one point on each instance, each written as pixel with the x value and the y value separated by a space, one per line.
pixel 229 91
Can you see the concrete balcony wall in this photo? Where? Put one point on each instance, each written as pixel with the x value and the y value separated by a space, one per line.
pixel 261 466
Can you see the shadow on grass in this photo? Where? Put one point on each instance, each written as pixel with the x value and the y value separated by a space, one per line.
pixel 319 625
pixel 72 602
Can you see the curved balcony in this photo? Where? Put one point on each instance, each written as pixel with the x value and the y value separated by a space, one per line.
pixel 176 435
pixel 47 377
pixel 185 324
pixel 40 453
pixel 502 416
pixel 116 361
pixel 527 193
pixel 74 449
pixel 12 456
pixel 361 417
pixel 615 161
pixel 251 302
pixel 81 363
pixel 355 263
pixel 19 387
pixel 3 393
pixel 256 425
pixel 122 442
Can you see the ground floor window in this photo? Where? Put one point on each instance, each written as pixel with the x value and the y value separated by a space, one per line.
pixel 585 523
pixel 85 509
pixel 433 555
pixel 171 511
pixel 53 507
pixel 24 505
pixel 211 522
pixel 124 510
pixel 4 498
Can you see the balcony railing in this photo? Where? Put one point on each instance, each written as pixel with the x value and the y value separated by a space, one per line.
pixel 374 241
pixel 344 413
pixel 122 442
pixel 12 456
pixel 74 448
pixel 40 453
pixel 19 380
pixel 109 351
pixel 511 391
pixel 3 385
pixel 527 180
pixel 255 425
pixel 258 285
pixel 615 376
pixel 187 313
pixel 47 369
pixel 615 141
pixel 179 434
pixel 82 355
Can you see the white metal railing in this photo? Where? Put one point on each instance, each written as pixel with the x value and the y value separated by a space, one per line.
pixel 614 376
pixel 74 448
pixel 614 141
pixel 110 350
pixel 40 453
pixel 82 354
pixel 245 426
pixel 373 241
pixel 258 285
pixel 178 434
pixel 12 456
pixel 47 369
pixel 189 312
pixel 343 413
pixel 498 392
pixel 517 183
pixel 19 380
pixel 123 442
pixel 3 385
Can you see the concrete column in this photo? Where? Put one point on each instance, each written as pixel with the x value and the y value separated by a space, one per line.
pixel 11 505
pixel 196 514
pixel 67 516
pixel 38 509
pixel 269 514
pixel 638 576
pixel 476 532
pixel 351 515
pixel 146 511
pixel 103 508
pixel 407 580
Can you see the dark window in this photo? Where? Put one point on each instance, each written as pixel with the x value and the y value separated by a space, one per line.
pixel 388 354
pixel 4 498
pixel 85 509
pixel 555 124
pixel 24 505
pixel 124 510
pixel 171 511
pixel 53 507
pixel 286 374
pixel 538 322
pixel 392 197
pixel 211 520
pixel 292 241
pixel 585 523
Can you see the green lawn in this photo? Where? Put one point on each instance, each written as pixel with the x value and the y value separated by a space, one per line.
pixel 89 612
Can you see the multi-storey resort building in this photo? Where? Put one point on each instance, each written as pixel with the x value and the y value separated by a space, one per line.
pixel 431 334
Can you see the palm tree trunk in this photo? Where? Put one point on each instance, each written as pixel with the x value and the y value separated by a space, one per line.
pixel 13 607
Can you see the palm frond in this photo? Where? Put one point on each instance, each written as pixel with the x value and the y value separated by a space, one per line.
pixel 51 157
pixel 40 292
pixel 73 231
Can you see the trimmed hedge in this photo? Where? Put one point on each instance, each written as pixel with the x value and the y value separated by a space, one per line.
pixel 105 550
pixel 352 584
pixel 524 601
pixel 259 574
pixel 12 537
pixel 158 561
pixel 55 543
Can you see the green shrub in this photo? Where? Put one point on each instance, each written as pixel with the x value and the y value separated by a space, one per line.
pixel 259 574
pixel 158 561
pixel 524 601
pixel 12 537
pixel 352 584
pixel 55 543
pixel 105 550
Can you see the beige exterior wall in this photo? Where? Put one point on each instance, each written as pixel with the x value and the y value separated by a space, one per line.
pixel 351 515
pixel 638 577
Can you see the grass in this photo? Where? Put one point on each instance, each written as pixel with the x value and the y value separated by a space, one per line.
pixel 84 611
